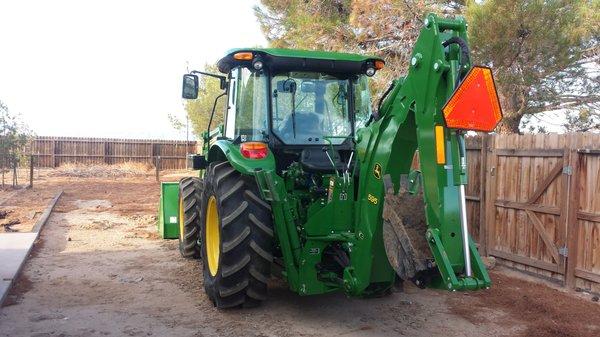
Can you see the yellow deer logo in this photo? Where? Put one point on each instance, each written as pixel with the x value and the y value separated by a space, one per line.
pixel 377 170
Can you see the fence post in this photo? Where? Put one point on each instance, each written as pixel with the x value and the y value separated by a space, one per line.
pixel 572 221
pixel 31 171
pixel 15 181
pixel 490 192
pixel 157 165
pixel 54 153
pixel 482 193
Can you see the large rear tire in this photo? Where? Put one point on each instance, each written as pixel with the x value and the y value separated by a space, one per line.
pixel 190 193
pixel 237 240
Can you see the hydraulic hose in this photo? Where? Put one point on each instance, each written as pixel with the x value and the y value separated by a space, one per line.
pixel 375 115
pixel 464 48
pixel 464 53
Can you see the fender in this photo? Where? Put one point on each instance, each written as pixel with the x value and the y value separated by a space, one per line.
pixel 225 150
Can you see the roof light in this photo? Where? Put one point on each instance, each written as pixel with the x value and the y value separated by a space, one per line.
pixel 474 104
pixel 243 56
pixel 254 150
pixel 370 71
pixel 257 64
pixel 379 64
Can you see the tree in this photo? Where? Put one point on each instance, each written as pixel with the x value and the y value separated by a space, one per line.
pixel 544 53
pixel 387 28
pixel 14 137
pixel 198 110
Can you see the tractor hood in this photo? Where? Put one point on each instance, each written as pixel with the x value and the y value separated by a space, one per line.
pixel 294 59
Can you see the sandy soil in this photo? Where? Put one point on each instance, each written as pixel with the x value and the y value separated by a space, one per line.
pixel 20 208
pixel 101 270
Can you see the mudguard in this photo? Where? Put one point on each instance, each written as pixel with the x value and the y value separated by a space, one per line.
pixel 225 150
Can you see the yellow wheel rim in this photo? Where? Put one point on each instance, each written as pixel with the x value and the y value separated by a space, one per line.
pixel 181 218
pixel 213 242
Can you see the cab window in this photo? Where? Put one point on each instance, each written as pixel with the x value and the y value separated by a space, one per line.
pixel 247 114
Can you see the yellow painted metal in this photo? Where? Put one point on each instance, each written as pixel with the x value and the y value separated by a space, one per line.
pixel 181 217
pixel 440 146
pixel 213 240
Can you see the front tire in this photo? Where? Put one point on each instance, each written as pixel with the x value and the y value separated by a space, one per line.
pixel 190 193
pixel 237 239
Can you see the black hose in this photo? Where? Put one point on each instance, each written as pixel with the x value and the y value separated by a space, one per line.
pixel 375 115
pixel 464 48
pixel 387 92
pixel 464 53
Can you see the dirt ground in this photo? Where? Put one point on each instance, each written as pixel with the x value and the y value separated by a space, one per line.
pixel 100 269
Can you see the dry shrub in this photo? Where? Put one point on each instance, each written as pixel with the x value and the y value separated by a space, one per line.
pixel 127 169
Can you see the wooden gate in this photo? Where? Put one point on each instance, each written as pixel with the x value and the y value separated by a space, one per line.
pixel 526 203
pixel 584 221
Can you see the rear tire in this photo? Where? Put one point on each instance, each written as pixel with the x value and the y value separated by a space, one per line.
pixel 190 193
pixel 237 267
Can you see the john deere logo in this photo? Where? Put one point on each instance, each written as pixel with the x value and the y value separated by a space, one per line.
pixel 377 171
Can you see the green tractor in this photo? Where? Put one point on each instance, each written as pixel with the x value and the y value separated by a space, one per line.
pixel 305 180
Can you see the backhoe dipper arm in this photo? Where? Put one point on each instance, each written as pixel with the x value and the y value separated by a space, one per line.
pixel 411 119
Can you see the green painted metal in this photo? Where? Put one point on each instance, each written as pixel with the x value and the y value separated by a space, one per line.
pixel 407 121
pixel 350 217
pixel 168 210
pixel 312 54
pixel 222 150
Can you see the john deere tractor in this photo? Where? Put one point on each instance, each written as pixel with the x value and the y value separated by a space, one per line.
pixel 306 180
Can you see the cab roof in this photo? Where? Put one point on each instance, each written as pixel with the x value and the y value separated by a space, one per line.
pixel 306 59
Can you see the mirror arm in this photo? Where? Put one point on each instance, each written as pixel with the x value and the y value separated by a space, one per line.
pixel 221 78
pixel 213 111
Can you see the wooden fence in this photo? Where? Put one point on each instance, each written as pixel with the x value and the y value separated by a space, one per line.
pixel 55 151
pixel 533 200
pixel 534 203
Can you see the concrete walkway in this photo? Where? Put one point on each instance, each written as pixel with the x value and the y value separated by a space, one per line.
pixel 14 248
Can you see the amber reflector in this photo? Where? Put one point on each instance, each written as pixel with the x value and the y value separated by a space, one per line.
pixel 440 145
pixel 254 150
pixel 379 64
pixel 243 56
pixel 474 104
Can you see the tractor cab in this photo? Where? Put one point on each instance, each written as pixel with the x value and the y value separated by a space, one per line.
pixel 298 102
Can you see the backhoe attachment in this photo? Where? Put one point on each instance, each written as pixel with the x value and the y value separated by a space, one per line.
pixel 425 230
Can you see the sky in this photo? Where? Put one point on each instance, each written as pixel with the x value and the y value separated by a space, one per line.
pixel 112 68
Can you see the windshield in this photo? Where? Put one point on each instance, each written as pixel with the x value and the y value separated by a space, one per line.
pixel 307 106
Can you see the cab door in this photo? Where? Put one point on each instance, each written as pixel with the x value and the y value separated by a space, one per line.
pixel 231 103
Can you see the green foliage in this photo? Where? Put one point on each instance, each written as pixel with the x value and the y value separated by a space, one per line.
pixel 544 53
pixel 537 50
pixel 198 110
pixel 387 28
pixel 14 137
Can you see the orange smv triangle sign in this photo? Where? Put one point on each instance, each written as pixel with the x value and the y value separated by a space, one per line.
pixel 474 104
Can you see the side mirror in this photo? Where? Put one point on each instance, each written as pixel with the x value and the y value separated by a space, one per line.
pixel 190 86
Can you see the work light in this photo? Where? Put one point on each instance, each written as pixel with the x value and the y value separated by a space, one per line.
pixel 257 64
pixel 370 71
